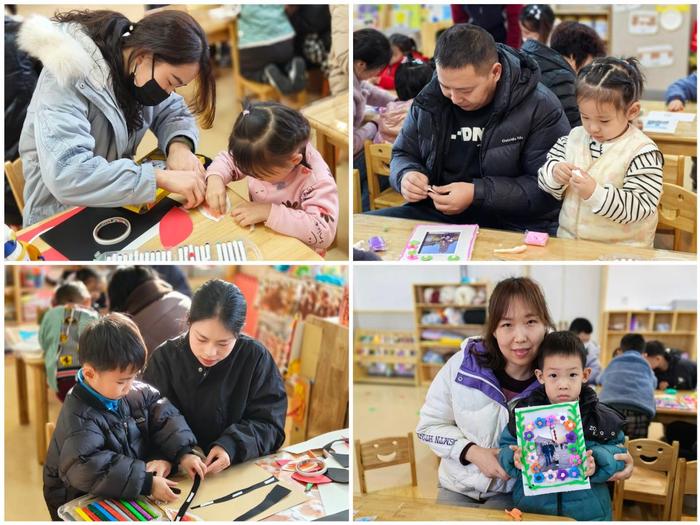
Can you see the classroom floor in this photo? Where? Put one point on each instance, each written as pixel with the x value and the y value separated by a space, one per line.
pixel 215 140
pixel 386 411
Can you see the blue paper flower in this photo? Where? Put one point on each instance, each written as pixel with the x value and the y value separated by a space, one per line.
pixel 550 475
pixel 571 437
pixel 538 478
pixel 562 474
pixel 528 436
pixel 540 422
pixel 574 472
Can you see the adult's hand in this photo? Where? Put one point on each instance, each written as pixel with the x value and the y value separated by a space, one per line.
pixel 676 105
pixel 180 158
pixel 159 467
pixel 486 460
pixel 414 186
pixel 454 198
pixel 626 472
pixel 217 460
pixel 189 184
pixel 193 465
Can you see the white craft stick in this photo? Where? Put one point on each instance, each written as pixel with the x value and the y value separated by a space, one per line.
pixel 231 252
pixel 207 252
pixel 219 254
pixel 179 253
pixel 190 252
pixel 169 255
pixel 198 253
pixel 236 255
pixel 244 255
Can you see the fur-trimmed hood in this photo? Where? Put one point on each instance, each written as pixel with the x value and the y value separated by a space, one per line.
pixel 65 50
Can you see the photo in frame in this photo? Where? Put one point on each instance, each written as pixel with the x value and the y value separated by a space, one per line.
pixel 441 242
pixel 553 448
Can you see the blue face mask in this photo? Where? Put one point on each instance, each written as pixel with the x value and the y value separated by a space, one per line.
pixel 150 94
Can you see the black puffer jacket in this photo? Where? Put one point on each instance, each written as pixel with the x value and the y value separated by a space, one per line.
pixel 96 451
pixel 600 422
pixel 239 403
pixel 681 374
pixel 526 122
pixel 558 76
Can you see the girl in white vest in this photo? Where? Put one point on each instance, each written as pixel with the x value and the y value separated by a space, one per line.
pixel 608 172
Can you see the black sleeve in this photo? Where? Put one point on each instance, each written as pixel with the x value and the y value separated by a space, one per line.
pixel 157 374
pixel 405 153
pixel 167 428
pixel 261 430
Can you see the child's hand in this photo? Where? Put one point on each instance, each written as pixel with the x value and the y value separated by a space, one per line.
pixel 589 463
pixel 517 456
pixel 160 490
pixel 250 213
pixel 216 194
pixel 217 460
pixel 414 186
pixel 663 385
pixel 676 105
pixel 584 185
pixel 159 467
pixel 562 172
pixel 193 464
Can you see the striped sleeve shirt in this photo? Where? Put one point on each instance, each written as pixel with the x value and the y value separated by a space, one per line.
pixel 635 201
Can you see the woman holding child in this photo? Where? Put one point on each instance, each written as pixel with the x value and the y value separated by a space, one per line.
pixel 226 385
pixel 467 406
pixel 105 82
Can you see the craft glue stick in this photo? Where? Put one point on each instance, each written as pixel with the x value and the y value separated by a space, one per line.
pixel 207 251
pixel 197 253
pixel 236 250
pixel 82 514
pixel 219 255
pixel 241 246
pixel 232 252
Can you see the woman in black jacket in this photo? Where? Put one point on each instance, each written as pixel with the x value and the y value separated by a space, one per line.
pixel 226 384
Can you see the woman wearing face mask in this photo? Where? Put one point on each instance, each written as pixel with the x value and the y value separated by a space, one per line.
pixel 226 384
pixel 105 82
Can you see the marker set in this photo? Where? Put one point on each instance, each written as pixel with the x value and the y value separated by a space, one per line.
pixel 95 509
pixel 233 251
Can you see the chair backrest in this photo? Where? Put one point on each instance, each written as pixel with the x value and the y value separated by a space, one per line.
pixel 15 177
pixel 233 33
pixel 429 35
pixel 674 169
pixel 48 432
pixel 357 195
pixel 686 483
pixel 678 209
pixel 654 455
pixel 385 452
pixel 378 158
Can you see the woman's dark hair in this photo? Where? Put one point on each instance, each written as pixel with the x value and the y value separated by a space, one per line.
pixel 538 18
pixel 404 43
pixel 564 343
pixel 123 282
pixel 412 76
pixel 172 36
pixel 112 343
pixel 465 45
pixel 529 292
pixel 217 299
pixel 612 80
pixel 265 134
pixel 372 47
pixel 578 41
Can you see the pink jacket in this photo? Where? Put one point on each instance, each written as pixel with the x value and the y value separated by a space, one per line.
pixel 391 119
pixel 304 205
pixel 365 93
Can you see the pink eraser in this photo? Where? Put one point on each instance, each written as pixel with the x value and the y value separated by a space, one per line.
pixel 536 238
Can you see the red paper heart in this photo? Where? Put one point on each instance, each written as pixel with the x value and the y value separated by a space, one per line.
pixel 175 227
pixel 316 480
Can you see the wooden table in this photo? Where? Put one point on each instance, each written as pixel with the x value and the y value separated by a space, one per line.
pixel 684 141
pixel 329 118
pixel 35 362
pixel 396 233
pixel 272 245
pixel 667 415
pixel 397 508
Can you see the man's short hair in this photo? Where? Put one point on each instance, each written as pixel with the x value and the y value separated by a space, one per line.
pixel 465 45
pixel 581 325
pixel 633 342
pixel 113 342
pixel 654 348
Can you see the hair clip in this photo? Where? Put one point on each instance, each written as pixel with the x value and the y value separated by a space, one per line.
pixel 128 31
pixel 246 112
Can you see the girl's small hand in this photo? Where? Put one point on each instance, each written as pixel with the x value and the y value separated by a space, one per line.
pixel 193 465
pixel 180 158
pixel 562 172
pixel 589 463
pixel 517 456
pixel 159 467
pixel 250 213
pixel 217 460
pixel 160 490
pixel 584 185
pixel 676 105
pixel 216 194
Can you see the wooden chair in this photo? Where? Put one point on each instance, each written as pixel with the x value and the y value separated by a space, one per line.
pixel 678 209
pixel 674 169
pixel 48 431
pixel 15 177
pixel 429 35
pixel 686 484
pixel 356 192
pixel 377 159
pixel 653 476
pixel 385 452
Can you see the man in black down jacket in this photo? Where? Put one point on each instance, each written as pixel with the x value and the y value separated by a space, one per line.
pixel 110 425
pixel 476 136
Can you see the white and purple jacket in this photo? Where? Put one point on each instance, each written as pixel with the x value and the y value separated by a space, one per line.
pixel 465 404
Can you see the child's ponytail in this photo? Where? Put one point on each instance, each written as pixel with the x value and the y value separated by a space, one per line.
pixel 618 81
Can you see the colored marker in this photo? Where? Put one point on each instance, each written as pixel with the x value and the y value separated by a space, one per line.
pixel 308 487
pixel 125 510
pixel 133 511
pixel 115 507
pixel 106 509
pixel 82 514
pixel 145 506
pixel 143 512
pixel 99 512
pixel 93 516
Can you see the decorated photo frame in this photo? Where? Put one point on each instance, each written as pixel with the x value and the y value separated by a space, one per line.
pixel 553 448
pixel 440 242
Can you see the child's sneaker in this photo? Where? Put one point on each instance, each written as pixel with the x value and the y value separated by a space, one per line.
pixel 277 79
pixel 297 74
